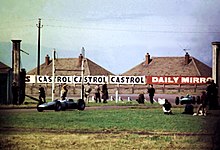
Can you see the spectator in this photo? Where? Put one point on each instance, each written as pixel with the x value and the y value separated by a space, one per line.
pixel 212 95
pixel 42 94
pixel 167 107
pixel 97 94
pixel 140 99
pixel 104 93
pixel 189 109
pixel 151 92
pixel 64 91
pixel 15 93
pixel 88 90
pixel 203 105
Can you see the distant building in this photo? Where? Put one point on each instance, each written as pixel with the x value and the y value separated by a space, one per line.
pixel 66 67
pixel 171 66
pixel 6 83
pixel 70 67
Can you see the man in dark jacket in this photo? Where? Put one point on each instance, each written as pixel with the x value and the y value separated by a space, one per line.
pixel 212 95
pixel 151 92
pixel 42 94
pixel 104 93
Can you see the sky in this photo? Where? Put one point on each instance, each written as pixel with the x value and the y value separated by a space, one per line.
pixel 116 34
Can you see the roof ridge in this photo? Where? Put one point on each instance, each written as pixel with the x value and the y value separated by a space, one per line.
pixel 195 66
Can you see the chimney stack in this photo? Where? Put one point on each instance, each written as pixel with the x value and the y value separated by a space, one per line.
pixel 187 58
pixel 47 60
pixel 147 57
pixel 80 60
pixel 16 58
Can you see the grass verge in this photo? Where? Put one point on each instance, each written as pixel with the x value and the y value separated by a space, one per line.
pixel 106 129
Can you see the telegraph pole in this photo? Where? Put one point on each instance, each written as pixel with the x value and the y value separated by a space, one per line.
pixel 53 74
pixel 39 26
pixel 82 73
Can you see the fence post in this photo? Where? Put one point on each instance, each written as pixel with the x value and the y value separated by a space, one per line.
pixel 164 88
pixel 116 96
pixel 179 88
pixel 195 88
pixel 132 89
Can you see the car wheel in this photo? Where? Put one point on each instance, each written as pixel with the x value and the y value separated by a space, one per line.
pixel 39 109
pixel 181 102
pixel 58 106
pixel 177 100
pixel 81 104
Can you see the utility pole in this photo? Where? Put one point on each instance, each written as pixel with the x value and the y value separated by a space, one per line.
pixel 82 73
pixel 39 26
pixel 53 74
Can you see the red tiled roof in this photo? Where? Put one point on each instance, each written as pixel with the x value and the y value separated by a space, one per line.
pixel 171 66
pixel 69 67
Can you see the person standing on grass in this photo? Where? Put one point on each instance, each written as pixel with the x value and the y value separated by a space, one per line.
pixel 104 93
pixel 203 105
pixel 42 94
pixel 97 94
pixel 151 92
pixel 64 91
pixel 88 90
pixel 212 95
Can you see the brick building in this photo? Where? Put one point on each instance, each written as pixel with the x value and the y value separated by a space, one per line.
pixel 65 67
pixel 172 66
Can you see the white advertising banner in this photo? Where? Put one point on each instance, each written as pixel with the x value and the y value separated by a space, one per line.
pixel 67 79
pixel 30 79
pixel 127 80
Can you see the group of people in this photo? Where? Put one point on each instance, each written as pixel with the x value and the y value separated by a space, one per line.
pixel 97 98
pixel 208 99
pixel 87 92
pixel 150 91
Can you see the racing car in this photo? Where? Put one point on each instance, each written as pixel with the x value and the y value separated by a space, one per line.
pixel 59 105
pixel 188 99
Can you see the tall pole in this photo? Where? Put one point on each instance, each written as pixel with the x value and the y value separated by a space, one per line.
pixel 82 73
pixel 39 26
pixel 53 74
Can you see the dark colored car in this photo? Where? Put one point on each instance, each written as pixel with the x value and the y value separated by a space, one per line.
pixel 59 105
pixel 188 99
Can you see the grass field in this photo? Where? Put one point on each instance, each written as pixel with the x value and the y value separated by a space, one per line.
pixel 131 128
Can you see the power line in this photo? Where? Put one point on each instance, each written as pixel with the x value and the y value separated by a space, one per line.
pixel 131 30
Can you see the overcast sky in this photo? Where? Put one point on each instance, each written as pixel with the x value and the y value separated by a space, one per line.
pixel 116 34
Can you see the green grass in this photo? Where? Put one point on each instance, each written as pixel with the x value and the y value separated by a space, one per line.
pixel 116 129
pixel 123 119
